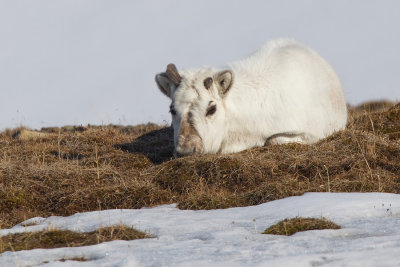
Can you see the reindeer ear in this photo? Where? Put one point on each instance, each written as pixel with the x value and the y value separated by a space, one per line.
pixel 168 79
pixel 164 84
pixel 224 80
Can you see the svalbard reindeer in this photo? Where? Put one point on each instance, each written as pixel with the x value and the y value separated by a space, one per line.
pixel 284 92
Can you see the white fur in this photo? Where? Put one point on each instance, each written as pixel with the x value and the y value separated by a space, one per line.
pixel 284 92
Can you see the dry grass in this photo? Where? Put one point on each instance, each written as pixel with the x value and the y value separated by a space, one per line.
pixel 291 226
pixel 76 169
pixel 65 238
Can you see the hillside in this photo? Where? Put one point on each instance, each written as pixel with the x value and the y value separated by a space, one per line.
pixel 61 171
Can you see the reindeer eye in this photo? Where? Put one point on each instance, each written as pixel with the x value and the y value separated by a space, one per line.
pixel 211 110
pixel 172 110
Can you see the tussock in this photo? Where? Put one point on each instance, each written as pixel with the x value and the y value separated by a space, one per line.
pixel 75 168
pixel 66 238
pixel 291 226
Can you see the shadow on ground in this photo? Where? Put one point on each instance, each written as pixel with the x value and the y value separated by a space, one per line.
pixel 156 145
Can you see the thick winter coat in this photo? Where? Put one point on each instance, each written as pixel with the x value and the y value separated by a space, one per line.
pixel 284 92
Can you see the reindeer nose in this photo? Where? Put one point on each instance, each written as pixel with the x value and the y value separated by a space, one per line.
pixel 189 145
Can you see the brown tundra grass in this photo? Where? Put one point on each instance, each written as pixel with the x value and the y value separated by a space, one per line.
pixel 65 238
pixel 61 171
pixel 291 226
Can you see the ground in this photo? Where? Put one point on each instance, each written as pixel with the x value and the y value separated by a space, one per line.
pixel 68 170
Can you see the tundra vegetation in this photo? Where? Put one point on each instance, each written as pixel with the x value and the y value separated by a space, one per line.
pixel 54 238
pixel 61 171
pixel 291 226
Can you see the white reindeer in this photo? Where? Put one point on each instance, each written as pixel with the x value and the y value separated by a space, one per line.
pixel 284 92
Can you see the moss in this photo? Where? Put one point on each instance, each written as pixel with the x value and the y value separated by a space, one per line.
pixel 291 226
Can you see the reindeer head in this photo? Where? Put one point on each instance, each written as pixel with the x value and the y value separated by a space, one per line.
pixel 197 107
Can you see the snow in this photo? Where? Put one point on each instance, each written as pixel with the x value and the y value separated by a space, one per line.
pixel 370 235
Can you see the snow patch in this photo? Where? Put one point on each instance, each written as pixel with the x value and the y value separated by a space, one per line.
pixel 370 235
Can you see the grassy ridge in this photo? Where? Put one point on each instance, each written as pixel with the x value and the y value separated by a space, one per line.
pixel 73 169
